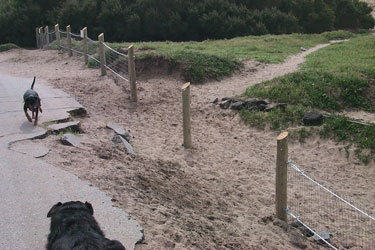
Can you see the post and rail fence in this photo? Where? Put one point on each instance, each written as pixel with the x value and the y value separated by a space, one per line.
pixel 121 62
pixel 330 219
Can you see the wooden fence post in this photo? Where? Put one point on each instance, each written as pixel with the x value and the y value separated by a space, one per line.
pixel 37 38
pixel 282 176
pixel 85 45
pixel 57 31
pixel 41 36
pixel 47 36
pixel 186 114
pixel 68 34
pixel 131 68
pixel 102 53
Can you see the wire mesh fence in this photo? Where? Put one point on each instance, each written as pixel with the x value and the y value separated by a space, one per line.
pixel 64 40
pixel 96 53
pixel 93 53
pixel 77 43
pixel 116 62
pixel 331 220
pixel 52 37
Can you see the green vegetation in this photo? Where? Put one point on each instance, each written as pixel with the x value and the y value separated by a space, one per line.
pixel 331 79
pixel 343 129
pixel 180 20
pixel 7 46
pixel 277 119
pixel 318 89
pixel 338 77
pixel 267 48
pixel 213 59
pixel 354 58
pixel 67 131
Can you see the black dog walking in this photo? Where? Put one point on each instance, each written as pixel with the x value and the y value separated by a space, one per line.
pixel 32 102
pixel 73 227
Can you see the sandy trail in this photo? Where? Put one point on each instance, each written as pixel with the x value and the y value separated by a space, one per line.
pixel 254 73
pixel 218 195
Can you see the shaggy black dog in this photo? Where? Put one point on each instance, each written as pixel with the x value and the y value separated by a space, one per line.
pixel 73 227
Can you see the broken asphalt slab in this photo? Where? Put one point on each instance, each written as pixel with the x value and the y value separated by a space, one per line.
pixel 71 140
pixel 119 130
pixel 29 187
pixel 63 127
pixel 29 148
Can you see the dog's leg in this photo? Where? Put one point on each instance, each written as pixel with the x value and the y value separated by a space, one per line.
pixel 40 107
pixel 32 114
pixel 27 115
pixel 36 117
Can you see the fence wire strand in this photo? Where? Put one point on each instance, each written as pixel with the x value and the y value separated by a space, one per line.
pixel 116 62
pixel 312 230
pixel 114 51
pixel 321 210
pixel 93 52
pixel 63 39
pixel 52 37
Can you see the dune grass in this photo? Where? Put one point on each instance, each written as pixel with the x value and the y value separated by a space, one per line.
pixel 331 79
pixel 7 46
pixel 338 77
pixel 214 59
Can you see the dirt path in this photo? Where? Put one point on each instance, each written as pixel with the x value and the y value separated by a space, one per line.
pixel 220 194
pixel 254 73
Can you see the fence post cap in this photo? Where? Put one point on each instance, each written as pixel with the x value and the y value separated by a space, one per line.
pixel 186 85
pixel 282 136
pixel 131 46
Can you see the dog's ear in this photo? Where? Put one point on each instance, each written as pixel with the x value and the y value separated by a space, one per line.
pixel 89 207
pixel 53 209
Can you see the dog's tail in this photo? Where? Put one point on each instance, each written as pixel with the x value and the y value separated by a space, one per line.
pixel 32 85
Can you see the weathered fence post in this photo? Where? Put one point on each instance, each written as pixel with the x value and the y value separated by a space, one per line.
pixel 102 53
pixel 68 35
pixel 131 68
pixel 37 38
pixel 85 45
pixel 186 114
pixel 41 37
pixel 281 176
pixel 57 31
pixel 47 36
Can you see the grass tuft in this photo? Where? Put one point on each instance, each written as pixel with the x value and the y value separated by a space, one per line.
pixel 8 46
pixel 198 67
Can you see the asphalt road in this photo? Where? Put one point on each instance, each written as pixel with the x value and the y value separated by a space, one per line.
pixel 29 187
